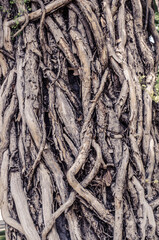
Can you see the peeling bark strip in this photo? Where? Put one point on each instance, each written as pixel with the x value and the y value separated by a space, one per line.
pixel 79 143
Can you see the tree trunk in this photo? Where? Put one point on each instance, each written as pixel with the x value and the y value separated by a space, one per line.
pixel 79 118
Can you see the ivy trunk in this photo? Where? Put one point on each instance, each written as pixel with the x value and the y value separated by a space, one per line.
pixel 79 117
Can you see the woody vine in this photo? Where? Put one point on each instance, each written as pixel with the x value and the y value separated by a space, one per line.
pixel 79 118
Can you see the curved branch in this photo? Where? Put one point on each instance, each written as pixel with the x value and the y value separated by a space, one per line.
pixel 51 7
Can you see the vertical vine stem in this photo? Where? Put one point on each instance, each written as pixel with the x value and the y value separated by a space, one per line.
pixel 79 119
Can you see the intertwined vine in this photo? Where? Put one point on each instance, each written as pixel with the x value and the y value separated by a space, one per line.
pixel 79 119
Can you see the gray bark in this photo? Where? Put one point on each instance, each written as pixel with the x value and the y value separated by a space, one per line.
pixel 79 145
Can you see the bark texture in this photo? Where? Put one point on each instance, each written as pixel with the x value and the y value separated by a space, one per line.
pixel 79 131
